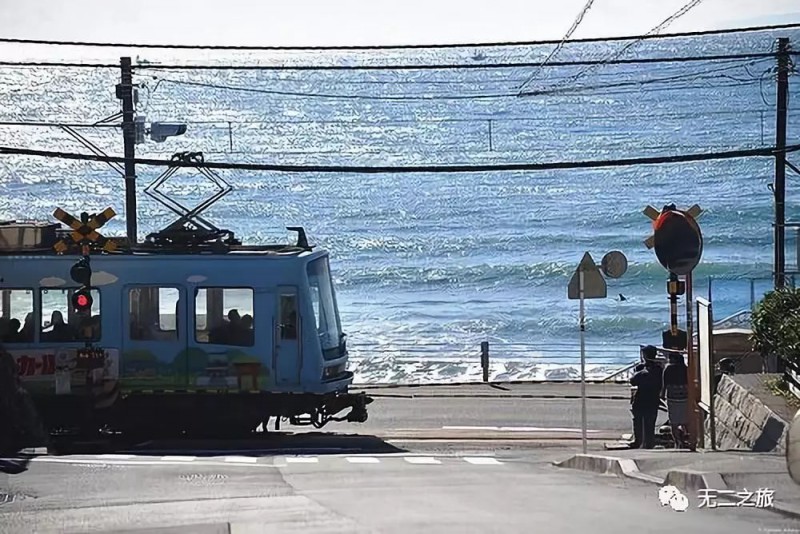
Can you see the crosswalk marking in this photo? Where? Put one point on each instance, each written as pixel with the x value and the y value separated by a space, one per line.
pixel 241 459
pixel 482 460
pixel 302 460
pixel 269 461
pixel 362 460
pixel 422 460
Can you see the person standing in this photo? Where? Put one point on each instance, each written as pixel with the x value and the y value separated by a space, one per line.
pixel 676 391
pixel 646 400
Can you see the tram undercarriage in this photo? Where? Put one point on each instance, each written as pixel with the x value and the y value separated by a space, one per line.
pixel 221 415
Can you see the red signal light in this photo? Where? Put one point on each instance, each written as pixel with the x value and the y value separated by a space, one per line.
pixel 82 301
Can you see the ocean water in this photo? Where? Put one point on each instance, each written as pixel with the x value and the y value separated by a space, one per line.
pixel 429 265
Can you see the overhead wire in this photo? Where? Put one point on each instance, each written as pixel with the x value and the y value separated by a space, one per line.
pixel 405 169
pixel 420 122
pixel 570 90
pixel 361 67
pixel 95 44
pixel 560 45
pixel 616 55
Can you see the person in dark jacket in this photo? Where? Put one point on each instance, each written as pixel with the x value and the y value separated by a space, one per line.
pixel 676 392
pixel 646 400
pixel 20 425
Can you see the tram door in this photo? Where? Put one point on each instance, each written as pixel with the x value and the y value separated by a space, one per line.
pixel 155 339
pixel 288 357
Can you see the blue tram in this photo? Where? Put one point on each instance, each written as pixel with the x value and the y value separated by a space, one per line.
pixel 179 338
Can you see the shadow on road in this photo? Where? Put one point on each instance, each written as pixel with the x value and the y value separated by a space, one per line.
pixel 256 445
pixel 14 465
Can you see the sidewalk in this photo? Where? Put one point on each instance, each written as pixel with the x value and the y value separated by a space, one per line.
pixel 692 472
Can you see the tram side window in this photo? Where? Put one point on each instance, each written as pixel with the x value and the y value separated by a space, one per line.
pixel 288 316
pixel 224 316
pixel 60 323
pixel 154 313
pixel 16 315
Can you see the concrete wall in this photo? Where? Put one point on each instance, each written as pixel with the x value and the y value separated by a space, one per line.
pixel 744 422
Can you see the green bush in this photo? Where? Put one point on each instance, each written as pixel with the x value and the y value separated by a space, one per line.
pixel 776 325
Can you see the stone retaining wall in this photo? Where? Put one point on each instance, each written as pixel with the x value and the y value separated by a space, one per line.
pixel 744 422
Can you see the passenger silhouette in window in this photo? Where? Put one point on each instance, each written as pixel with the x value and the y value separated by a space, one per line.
pixel 246 334
pixel 60 331
pixel 14 334
pixel 26 334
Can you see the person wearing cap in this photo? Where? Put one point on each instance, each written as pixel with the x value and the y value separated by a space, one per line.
pixel 646 400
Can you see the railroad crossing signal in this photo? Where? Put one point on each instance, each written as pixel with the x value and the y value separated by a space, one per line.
pixel 82 301
pixel 676 238
pixel 653 214
pixel 85 230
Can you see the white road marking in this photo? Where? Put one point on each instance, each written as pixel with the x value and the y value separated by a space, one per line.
pixel 422 460
pixel 516 429
pixel 302 460
pixel 115 456
pixel 178 458
pixel 78 461
pixel 362 460
pixel 241 459
pixel 482 460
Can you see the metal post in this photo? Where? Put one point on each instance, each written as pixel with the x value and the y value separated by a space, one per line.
pixel 752 293
pixel 491 145
pixel 485 360
pixel 230 136
pixel 712 410
pixel 125 93
pixel 692 371
pixel 780 161
pixel 582 320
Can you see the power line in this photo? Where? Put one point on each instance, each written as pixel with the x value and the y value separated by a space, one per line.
pixel 423 121
pixel 351 169
pixel 58 124
pixel 50 42
pixel 616 55
pixel 560 45
pixel 445 66
pixel 694 76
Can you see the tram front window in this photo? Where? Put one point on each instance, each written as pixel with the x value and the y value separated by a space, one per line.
pixel 323 298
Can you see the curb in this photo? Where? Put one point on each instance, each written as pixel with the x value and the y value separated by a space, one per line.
pixel 684 479
pixel 490 396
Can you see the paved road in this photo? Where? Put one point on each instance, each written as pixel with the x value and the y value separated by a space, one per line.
pixel 516 491
pixel 515 411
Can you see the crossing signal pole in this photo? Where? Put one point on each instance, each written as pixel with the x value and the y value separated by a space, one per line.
pixel 125 93
pixel 678 245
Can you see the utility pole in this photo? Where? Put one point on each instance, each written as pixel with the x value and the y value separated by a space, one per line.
pixel 125 93
pixel 779 187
